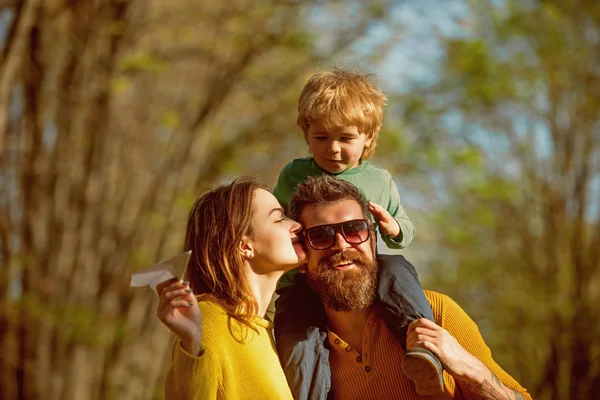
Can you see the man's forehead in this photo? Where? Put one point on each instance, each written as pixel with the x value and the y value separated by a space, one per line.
pixel 319 214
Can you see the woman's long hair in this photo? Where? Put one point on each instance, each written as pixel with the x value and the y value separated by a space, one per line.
pixel 216 225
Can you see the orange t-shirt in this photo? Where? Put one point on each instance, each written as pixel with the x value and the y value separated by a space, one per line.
pixel 377 372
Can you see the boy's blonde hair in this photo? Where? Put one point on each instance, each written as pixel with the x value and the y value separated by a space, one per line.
pixel 340 98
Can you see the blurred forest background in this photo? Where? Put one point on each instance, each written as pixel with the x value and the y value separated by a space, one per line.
pixel 116 114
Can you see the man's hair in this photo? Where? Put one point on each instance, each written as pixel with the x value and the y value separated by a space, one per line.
pixel 322 191
pixel 216 225
pixel 340 98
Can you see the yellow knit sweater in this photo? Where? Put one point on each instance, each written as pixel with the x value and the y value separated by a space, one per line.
pixel 238 362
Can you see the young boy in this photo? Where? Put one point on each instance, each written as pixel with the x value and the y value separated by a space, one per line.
pixel 340 114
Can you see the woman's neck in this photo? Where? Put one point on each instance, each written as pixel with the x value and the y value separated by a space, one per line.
pixel 262 286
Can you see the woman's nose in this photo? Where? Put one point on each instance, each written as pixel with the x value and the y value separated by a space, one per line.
pixel 296 227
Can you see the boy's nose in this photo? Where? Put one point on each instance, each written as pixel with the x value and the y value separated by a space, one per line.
pixel 334 147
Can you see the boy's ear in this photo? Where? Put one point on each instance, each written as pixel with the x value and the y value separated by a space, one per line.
pixel 369 139
pixel 246 247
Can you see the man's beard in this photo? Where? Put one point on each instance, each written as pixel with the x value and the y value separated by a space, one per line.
pixel 345 291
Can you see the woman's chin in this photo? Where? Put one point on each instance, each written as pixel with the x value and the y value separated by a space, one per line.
pixel 300 253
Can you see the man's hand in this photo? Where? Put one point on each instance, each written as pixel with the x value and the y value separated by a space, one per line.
pixel 178 310
pixel 457 361
pixel 387 224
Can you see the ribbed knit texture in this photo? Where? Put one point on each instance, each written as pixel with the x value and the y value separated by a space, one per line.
pixel 237 362
pixel 377 373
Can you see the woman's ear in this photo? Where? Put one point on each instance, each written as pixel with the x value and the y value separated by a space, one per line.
pixel 246 247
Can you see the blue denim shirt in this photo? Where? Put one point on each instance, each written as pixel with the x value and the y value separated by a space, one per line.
pixel 301 324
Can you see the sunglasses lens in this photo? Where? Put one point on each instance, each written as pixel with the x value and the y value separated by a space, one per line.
pixel 321 237
pixel 356 231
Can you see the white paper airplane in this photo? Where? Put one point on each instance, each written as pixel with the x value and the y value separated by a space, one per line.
pixel 163 271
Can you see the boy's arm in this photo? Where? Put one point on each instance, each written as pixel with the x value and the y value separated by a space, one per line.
pixel 407 229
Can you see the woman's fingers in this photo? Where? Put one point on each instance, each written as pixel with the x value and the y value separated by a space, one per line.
pixel 172 305
pixel 177 293
pixel 175 290
pixel 180 303
pixel 161 286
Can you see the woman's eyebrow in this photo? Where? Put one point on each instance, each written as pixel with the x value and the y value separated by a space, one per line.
pixel 280 209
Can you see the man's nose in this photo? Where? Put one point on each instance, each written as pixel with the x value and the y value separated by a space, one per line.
pixel 340 242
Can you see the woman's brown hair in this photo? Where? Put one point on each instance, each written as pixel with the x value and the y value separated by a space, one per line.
pixel 217 223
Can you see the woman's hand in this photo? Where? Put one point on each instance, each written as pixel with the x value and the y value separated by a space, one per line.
pixel 178 310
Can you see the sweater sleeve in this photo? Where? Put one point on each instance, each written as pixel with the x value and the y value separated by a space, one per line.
pixel 191 377
pixel 284 188
pixel 450 316
pixel 394 207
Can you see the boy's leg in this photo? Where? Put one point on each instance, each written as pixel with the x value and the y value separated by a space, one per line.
pixel 403 301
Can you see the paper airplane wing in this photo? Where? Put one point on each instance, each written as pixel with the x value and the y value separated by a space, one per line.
pixel 163 271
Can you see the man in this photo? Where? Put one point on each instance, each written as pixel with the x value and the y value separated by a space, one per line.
pixel 350 348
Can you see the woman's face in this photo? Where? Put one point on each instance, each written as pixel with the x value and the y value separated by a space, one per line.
pixel 275 237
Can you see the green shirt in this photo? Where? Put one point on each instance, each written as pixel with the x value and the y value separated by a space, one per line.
pixel 376 184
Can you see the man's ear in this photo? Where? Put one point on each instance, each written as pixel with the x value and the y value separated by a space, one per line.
pixel 246 247
pixel 302 268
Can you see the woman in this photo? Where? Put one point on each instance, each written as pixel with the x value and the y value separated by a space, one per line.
pixel 241 244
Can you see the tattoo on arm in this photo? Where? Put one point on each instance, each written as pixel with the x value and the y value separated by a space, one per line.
pixel 487 391
pixel 496 391
pixel 518 396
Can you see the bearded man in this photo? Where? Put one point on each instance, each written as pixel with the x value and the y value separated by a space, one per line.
pixel 337 328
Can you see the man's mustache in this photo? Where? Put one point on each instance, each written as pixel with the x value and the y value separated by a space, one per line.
pixel 341 257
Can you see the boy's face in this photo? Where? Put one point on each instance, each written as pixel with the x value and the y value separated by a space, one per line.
pixel 338 149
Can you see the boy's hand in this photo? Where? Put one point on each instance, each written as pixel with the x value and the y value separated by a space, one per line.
pixel 387 225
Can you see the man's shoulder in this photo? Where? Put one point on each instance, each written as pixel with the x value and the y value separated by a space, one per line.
pixel 447 313
pixel 436 298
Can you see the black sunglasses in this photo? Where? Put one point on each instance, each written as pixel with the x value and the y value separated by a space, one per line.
pixel 322 237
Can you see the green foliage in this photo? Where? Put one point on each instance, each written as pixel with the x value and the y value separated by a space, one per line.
pixel 512 249
pixel 170 119
pixel 142 61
